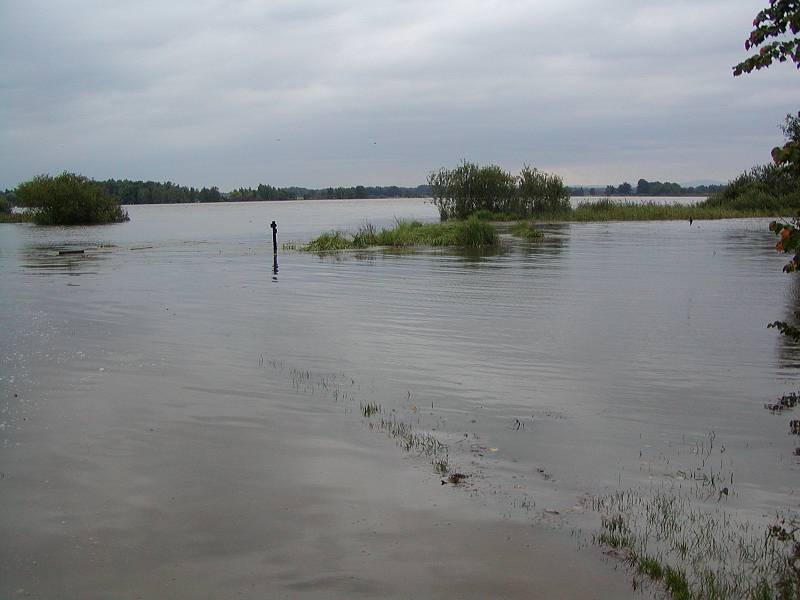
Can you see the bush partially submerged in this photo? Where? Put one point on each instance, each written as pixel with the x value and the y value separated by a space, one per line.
pixel 469 233
pixel 469 189
pixel 68 199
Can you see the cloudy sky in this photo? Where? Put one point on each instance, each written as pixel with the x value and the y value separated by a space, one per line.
pixel 345 92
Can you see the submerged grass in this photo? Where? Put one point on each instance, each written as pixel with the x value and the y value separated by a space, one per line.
pixel 527 231
pixel 683 535
pixel 471 233
pixel 408 439
pixel 700 552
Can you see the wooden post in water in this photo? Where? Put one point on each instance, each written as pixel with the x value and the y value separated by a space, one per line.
pixel 274 237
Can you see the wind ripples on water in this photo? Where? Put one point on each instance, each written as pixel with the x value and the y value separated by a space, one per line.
pixel 599 335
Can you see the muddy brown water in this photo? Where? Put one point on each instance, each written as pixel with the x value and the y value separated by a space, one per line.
pixel 179 420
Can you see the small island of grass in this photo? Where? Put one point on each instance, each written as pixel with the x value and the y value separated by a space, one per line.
pixel 469 233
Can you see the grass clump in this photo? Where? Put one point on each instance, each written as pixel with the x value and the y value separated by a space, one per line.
pixel 471 233
pixel 410 440
pixel 651 567
pixel 330 242
pixel 369 409
pixel 676 584
pixel 527 230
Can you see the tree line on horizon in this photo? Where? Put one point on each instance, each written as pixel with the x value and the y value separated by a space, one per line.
pixel 649 188
pixel 128 191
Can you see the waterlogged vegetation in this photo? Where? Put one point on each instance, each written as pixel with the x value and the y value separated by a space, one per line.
pixel 470 233
pixel 469 188
pixel 682 535
pixel 527 231
pixel 68 199
pixel 344 390
pixel 698 552
pixel 493 194
pixel 606 209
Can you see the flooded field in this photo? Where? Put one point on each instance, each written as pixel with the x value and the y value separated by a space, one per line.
pixel 178 412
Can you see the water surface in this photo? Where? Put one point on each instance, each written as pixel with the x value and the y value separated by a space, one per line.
pixel 604 356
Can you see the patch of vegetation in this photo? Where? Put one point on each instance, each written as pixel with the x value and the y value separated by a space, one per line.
pixel 413 441
pixel 676 584
pixel 682 534
pixel 369 409
pixel 331 242
pixel 699 553
pixel 15 217
pixel 469 188
pixel 606 209
pixel 68 199
pixel 768 188
pixel 649 566
pixel 441 466
pixel 528 231
pixel 469 233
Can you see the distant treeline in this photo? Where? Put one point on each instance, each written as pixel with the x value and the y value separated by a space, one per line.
pixel 268 192
pixel 156 192
pixel 648 188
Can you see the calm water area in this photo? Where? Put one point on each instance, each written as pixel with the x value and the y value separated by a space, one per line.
pixel 607 356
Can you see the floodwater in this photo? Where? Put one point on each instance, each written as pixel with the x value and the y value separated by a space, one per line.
pixel 180 414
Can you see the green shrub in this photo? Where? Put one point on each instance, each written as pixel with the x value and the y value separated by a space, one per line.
pixel 491 192
pixel 68 199
pixel 764 187
pixel 462 191
pixel 540 194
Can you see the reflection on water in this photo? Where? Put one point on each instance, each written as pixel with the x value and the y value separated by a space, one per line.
pixel 616 344
pixel 71 259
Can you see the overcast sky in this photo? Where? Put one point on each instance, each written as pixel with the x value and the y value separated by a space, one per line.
pixel 380 92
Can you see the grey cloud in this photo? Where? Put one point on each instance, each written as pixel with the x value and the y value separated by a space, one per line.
pixel 382 91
